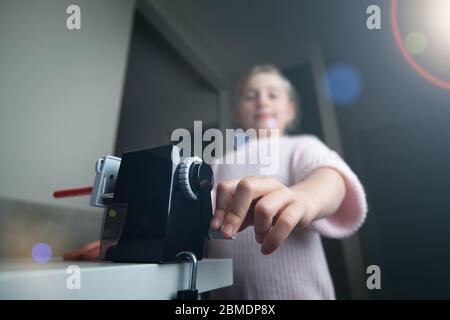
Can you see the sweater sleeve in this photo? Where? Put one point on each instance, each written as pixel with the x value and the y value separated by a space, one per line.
pixel 312 154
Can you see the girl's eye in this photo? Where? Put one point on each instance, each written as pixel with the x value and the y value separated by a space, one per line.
pixel 273 96
pixel 249 96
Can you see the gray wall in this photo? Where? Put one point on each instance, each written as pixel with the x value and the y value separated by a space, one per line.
pixel 60 93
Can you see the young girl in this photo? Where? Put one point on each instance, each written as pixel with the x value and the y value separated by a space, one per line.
pixel 313 193
pixel 279 217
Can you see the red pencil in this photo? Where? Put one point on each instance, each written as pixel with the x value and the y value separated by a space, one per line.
pixel 72 192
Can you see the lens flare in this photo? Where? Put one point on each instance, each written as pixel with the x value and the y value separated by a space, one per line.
pixel 437 13
pixel 41 253
pixel 415 42
pixel 407 56
pixel 342 83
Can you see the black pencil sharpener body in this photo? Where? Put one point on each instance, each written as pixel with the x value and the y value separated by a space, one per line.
pixel 157 204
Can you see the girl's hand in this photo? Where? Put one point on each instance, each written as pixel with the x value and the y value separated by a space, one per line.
pixel 89 251
pixel 272 208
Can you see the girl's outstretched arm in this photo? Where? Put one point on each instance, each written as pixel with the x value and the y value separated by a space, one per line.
pixel 274 209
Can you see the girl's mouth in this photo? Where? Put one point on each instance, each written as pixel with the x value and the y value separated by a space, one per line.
pixel 264 116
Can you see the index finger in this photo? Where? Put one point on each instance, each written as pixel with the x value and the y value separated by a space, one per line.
pixel 224 195
pixel 247 190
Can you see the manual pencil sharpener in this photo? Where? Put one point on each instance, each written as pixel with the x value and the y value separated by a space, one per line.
pixel 156 205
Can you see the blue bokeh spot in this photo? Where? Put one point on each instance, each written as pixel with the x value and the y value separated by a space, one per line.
pixel 342 84
pixel 41 253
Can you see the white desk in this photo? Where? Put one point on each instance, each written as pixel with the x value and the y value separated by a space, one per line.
pixel 104 280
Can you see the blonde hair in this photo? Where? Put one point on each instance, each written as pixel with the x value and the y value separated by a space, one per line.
pixel 269 68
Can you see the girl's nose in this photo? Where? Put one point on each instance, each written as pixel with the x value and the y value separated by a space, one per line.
pixel 262 102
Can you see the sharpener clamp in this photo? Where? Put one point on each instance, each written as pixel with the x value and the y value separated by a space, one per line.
pixel 192 292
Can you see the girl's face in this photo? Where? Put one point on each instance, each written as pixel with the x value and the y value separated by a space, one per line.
pixel 265 103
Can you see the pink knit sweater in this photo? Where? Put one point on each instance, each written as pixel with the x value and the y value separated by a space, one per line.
pixel 298 269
